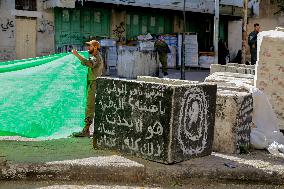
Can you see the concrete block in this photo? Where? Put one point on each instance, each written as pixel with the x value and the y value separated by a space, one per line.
pixel 165 80
pixel 159 122
pixel 228 79
pixel 270 70
pixel 233 68
pixel 233 121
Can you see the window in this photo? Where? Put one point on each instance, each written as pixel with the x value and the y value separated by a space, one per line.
pixel 29 5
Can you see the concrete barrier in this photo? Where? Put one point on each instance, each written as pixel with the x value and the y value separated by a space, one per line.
pixel 233 118
pixel 132 63
pixel 233 68
pixel 270 70
pixel 234 107
pixel 160 122
pixel 233 121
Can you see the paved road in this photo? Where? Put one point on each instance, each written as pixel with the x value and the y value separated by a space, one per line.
pixel 190 74
pixel 80 185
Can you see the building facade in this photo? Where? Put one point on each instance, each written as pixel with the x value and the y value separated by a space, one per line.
pixel 27 29
pixel 32 28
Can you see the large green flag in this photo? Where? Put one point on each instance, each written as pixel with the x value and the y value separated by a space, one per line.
pixel 42 97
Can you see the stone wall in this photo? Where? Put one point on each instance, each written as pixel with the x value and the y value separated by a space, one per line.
pixel 270 70
pixel 160 122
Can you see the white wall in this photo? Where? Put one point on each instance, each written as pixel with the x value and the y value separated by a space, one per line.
pixel 45 29
pixel 234 38
pixel 7 31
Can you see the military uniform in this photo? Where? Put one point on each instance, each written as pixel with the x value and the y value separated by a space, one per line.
pixel 163 49
pixel 94 71
pixel 252 41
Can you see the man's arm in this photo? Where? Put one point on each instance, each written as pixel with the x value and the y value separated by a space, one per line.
pixel 83 60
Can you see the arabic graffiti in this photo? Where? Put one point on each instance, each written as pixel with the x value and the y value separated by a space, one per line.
pixel 244 122
pixel 7 24
pixel 46 26
pixel 119 31
pixel 131 116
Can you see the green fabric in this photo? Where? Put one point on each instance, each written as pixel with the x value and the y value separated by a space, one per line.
pixel 42 97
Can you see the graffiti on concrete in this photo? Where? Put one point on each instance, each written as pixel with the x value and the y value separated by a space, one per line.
pixel 118 31
pixel 193 112
pixel 46 26
pixel 7 24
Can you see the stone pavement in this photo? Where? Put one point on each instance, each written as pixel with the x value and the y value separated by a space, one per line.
pixel 74 159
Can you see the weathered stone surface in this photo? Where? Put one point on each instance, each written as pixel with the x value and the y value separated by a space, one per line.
pixel 233 117
pixel 233 121
pixel 233 68
pixel 270 70
pixel 230 80
pixel 234 106
pixel 159 122
pixel 132 62
pixel 165 80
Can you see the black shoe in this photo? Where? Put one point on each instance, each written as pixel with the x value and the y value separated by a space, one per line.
pixel 166 73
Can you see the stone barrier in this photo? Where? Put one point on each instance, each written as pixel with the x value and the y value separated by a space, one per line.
pixel 160 122
pixel 270 70
pixel 131 63
pixel 233 118
pixel 233 81
pixel 234 107
pixel 233 68
pixel 233 121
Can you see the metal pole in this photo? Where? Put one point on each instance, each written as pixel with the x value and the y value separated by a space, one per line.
pixel 244 34
pixel 182 73
pixel 216 31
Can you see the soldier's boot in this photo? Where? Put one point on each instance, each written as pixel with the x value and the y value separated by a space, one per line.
pixel 84 133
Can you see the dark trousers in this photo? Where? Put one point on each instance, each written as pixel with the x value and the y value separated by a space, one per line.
pixel 253 53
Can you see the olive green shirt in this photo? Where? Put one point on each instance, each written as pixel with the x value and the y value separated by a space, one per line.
pixel 97 67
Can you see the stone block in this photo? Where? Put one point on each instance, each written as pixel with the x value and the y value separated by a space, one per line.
pixel 234 105
pixel 270 70
pixel 165 80
pixel 233 121
pixel 159 122
pixel 233 68
pixel 230 79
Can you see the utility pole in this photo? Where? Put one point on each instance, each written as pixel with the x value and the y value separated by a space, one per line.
pixel 244 30
pixel 182 69
pixel 216 31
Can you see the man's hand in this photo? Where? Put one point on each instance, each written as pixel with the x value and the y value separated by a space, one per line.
pixel 75 52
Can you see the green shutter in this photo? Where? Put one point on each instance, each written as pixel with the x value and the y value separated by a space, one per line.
pixel 160 25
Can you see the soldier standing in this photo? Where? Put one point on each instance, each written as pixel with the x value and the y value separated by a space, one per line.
pixel 163 49
pixel 95 68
